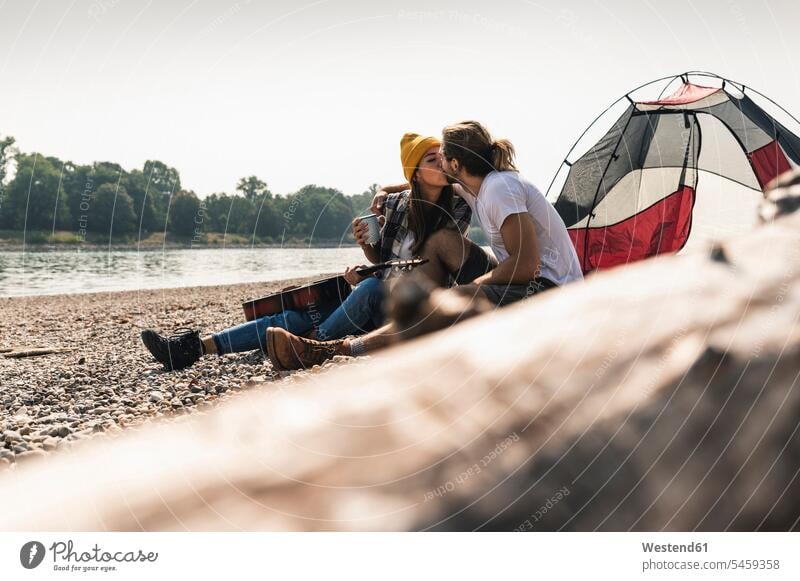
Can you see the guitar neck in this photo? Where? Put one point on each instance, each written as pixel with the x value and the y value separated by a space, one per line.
pixel 367 270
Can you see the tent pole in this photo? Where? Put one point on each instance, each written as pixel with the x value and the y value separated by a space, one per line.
pixel 596 119
pixel 672 78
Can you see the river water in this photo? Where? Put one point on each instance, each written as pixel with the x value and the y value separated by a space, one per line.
pixel 43 272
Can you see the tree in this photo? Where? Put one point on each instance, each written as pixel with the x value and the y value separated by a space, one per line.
pixel 162 178
pixel 268 220
pixel 143 201
pixel 184 214
pixel 81 183
pixel 242 216
pixel 217 207
pixel 35 198
pixel 252 188
pixel 7 153
pixel 361 202
pixel 111 211
pixel 318 212
pixel 161 182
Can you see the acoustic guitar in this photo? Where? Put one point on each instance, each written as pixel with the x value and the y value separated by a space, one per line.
pixel 318 294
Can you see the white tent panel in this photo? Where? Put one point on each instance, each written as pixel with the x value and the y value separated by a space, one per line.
pixel 635 192
pixel 720 153
pixel 722 209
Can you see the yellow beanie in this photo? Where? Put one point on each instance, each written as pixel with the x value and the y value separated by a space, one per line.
pixel 412 148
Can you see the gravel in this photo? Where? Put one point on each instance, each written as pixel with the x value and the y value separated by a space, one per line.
pixel 108 382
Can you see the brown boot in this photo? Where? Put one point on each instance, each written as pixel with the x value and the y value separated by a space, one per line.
pixel 287 351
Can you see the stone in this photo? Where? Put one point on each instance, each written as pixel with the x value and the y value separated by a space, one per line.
pixel 156 397
pixel 60 431
pixel 12 436
pixel 30 454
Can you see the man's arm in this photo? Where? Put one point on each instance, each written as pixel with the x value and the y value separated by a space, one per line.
pixel 380 195
pixel 523 262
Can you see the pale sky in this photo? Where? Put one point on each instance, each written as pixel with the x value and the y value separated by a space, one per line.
pixel 320 92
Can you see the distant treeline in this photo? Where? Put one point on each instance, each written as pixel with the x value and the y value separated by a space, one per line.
pixel 103 199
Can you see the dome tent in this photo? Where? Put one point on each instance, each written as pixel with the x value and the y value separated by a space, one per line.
pixel 632 194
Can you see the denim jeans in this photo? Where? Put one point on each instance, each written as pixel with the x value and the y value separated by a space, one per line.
pixel 361 311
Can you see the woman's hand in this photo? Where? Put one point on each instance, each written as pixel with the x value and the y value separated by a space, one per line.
pixel 351 276
pixel 360 232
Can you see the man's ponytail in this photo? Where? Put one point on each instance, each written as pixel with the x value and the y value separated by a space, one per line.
pixel 503 155
pixel 471 144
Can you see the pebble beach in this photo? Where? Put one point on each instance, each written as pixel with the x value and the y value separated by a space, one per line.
pixel 100 380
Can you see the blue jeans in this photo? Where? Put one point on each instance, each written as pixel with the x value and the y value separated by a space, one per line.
pixel 361 311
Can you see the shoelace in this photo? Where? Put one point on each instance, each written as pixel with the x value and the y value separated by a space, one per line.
pixel 181 332
pixel 320 346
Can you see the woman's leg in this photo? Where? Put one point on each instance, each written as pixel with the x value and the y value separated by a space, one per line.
pixel 251 335
pixel 361 311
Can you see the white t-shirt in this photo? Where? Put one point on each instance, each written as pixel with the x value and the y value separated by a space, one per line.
pixel 505 193
pixel 405 248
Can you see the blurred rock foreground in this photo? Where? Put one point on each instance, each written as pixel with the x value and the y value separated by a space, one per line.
pixel 662 395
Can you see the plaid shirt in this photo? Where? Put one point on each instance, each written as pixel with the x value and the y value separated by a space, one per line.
pixel 395 232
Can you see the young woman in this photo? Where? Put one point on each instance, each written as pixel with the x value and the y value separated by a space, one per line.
pixel 409 217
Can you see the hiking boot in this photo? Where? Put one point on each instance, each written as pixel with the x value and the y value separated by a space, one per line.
pixel 175 352
pixel 287 351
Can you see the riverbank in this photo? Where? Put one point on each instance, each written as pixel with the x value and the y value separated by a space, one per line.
pixel 105 381
pixel 36 240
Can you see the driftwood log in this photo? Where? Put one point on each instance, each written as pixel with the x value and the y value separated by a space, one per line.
pixel 662 395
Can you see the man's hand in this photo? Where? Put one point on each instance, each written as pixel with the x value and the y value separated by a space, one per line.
pixel 377 201
pixel 351 276
pixel 380 196
pixel 523 262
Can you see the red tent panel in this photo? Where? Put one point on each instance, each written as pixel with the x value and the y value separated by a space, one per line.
pixel 688 93
pixel 663 227
pixel 768 162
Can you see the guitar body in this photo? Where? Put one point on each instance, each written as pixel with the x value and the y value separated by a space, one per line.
pixel 319 294
pixel 314 295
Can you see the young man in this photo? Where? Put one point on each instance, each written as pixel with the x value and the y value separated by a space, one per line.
pixel 528 238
